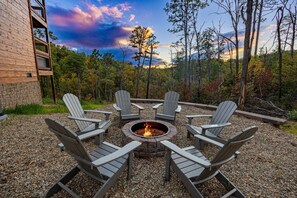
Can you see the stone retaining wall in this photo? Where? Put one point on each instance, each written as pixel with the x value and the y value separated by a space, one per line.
pixel 15 94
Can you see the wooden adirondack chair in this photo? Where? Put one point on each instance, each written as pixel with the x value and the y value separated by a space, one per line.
pixel 193 168
pixel 123 106
pixel 218 121
pixel 85 125
pixel 104 164
pixel 170 107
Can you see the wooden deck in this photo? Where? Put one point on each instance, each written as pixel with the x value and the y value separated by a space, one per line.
pixel 264 118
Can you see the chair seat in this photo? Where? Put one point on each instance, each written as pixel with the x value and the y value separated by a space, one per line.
pixel 110 168
pixel 198 130
pixel 103 125
pixel 164 116
pixel 189 168
pixel 130 116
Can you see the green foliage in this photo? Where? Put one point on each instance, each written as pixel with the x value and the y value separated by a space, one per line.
pixel 36 109
pixel 211 81
pixel 290 127
pixel 50 108
pixel 293 114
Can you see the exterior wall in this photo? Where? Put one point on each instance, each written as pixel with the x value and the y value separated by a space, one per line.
pixel 20 94
pixel 18 74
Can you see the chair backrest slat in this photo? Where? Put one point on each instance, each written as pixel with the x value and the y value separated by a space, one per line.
pixel 170 103
pixel 74 107
pixel 222 115
pixel 123 101
pixel 229 149
pixel 72 145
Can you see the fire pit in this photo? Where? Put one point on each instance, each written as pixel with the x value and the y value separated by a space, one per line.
pixel 150 133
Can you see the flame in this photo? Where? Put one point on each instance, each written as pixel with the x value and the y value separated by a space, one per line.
pixel 147 131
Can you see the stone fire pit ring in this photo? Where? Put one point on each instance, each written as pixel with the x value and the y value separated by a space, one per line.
pixel 151 146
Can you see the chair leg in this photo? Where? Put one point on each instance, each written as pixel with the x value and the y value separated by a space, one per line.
pixel 229 185
pixel 167 166
pixel 188 134
pixel 64 180
pixel 130 165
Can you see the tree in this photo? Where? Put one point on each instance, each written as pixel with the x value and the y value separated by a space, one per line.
pixel 246 53
pixel 107 61
pixel 180 13
pixel 220 42
pixel 124 50
pixel 260 8
pixel 208 49
pixel 75 63
pixel 233 9
pixel 138 39
pixel 292 21
pixel 279 19
pixel 152 43
pixel 95 61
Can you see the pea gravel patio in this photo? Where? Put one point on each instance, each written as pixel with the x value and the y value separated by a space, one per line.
pixel 30 161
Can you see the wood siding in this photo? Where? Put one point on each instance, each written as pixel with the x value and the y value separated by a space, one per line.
pixel 17 58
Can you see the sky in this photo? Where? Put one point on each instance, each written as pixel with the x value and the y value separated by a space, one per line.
pixel 107 24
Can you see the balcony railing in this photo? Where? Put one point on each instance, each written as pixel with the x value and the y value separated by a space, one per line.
pixel 38 7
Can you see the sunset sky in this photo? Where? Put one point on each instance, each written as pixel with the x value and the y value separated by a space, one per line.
pixel 106 25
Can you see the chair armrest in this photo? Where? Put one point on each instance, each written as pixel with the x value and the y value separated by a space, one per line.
pixel 178 109
pixel 136 105
pixel 208 140
pixel 116 107
pixel 91 134
pixel 85 119
pixel 211 141
pixel 85 136
pixel 106 113
pixel 212 126
pixel 190 117
pixel 157 106
pixel 117 154
pixel 185 154
pixel 96 111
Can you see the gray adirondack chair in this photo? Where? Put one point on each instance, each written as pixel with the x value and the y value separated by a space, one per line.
pixel 85 125
pixel 123 106
pixel 170 107
pixel 105 164
pixel 193 168
pixel 218 121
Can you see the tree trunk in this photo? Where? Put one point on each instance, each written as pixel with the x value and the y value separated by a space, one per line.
pixel 105 85
pixel 279 18
pixel 259 26
pixel 122 70
pixel 149 73
pixel 246 54
pixel 294 21
pixel 237 53
pixel 137 80
pixel 254 23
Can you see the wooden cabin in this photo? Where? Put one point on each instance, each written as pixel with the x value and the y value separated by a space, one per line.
pixel 25 57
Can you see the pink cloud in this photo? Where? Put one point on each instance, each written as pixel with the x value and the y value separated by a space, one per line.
pixel 125 7
pixel 132 17
pixel 90 15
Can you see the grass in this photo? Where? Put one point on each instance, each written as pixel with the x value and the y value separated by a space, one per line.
pixel 49 107
pixel 290 127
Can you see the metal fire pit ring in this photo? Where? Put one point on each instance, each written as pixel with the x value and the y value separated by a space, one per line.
pixel 151 146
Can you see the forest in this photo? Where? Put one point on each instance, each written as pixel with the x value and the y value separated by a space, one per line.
pixel 260 80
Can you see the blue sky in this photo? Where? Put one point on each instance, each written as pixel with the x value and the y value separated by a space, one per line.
pixel 106 25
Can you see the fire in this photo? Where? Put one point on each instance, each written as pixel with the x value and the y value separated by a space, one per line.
pixel 147 130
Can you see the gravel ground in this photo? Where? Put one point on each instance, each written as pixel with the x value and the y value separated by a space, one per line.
pixel 30 161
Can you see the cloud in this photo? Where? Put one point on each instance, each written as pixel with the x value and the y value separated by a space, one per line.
pixel 94 27
pixel 132 17
pixel 91 15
